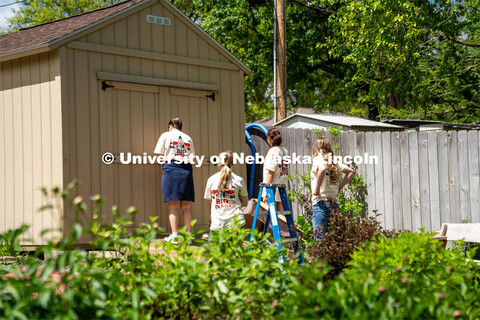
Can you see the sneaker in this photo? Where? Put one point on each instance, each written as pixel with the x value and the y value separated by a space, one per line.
pixel 171 238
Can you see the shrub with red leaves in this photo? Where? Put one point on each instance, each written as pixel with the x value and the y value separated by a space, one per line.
pixel 345 234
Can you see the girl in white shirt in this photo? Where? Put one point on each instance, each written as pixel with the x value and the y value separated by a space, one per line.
pixel 275 170
pixel 227 194
pixel 326 184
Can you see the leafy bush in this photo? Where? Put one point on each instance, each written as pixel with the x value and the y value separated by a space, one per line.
pixel 352 198
pixel 345 234
pixel 408 276
pixel 128 278
pixel 303 195
pixel 10 242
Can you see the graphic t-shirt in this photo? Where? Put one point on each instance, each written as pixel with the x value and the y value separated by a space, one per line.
pixel 328 188
pixel 225 205
pixel 174 145
pixel 274 161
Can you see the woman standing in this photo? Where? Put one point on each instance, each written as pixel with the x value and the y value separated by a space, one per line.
pixel 275 168
pixel 177 179
pixel 326 185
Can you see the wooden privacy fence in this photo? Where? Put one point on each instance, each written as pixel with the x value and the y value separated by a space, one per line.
pixel 421 179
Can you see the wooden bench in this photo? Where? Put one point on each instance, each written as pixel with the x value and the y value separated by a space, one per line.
pixel 451 232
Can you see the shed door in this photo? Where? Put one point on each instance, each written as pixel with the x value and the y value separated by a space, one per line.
pixel 129 123
pixel 133 116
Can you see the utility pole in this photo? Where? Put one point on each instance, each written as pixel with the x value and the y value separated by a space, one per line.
pixel 280 61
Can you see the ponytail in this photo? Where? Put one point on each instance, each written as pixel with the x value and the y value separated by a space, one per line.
pixel 226 161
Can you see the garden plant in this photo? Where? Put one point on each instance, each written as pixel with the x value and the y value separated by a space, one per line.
pixel 127 276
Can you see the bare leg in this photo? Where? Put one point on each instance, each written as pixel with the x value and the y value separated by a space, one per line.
pixel 279 206
pixel 187 214
pixel 173 215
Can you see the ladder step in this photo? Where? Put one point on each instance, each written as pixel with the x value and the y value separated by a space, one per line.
pixel 265 213
pixel 284 215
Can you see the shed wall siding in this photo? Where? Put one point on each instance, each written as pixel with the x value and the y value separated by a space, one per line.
pixel 30 141
pixel 214 126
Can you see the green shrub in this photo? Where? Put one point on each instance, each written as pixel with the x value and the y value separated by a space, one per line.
pixel 303 195
pixel 10 242
pixel 125 278
pixel 408 276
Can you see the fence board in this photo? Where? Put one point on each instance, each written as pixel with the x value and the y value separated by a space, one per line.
pixel 406 184
pixel 433 180
pixel 397 182
pixel 360 150
pixel 443 181
pixel 474 175
pixel 453 177
pixel 379 175
pixel 424 180
pixel 464 180
pixel 414 181
pixel 370 175
pixel 385 164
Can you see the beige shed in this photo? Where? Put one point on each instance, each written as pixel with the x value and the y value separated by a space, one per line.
pixel 109 81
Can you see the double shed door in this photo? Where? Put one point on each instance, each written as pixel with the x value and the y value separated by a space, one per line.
pixel 133 116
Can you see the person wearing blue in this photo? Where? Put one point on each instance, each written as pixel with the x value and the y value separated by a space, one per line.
pixel 326 185
pixel 177 180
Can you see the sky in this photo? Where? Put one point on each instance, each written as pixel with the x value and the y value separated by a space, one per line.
pixel 6 12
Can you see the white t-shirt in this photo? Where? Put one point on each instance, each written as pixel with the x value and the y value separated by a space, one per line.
pixel 274 161
pixel 327 188
pixel 175 144
pixel 225 205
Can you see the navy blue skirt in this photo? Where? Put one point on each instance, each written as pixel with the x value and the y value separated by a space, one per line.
pixel 177 182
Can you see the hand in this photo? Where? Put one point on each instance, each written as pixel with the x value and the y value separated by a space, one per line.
pixel 338 192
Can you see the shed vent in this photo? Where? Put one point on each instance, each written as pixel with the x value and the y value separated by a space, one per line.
pixel 159 20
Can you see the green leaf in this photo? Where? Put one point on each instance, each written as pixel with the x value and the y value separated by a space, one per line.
pixel 77 231
pixel 44 298
pixel 223 288
pixel 135 299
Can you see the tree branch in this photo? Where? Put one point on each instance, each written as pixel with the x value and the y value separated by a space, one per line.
pixel 468 106
pixel 474 45
pixel 316 9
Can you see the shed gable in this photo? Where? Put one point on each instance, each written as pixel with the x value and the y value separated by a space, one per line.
pixel 180 42
pixel 123 25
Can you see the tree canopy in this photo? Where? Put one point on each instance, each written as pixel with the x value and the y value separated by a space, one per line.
pixel 397 58
pixel 34 12
pixel 419 59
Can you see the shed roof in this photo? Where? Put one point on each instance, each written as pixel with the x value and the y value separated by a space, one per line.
pixel 49 35
pixel 44 34
pixel 446 125
pixel 341 120
pixel 270 121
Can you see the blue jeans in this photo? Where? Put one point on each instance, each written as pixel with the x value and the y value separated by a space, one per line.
pixel 321 214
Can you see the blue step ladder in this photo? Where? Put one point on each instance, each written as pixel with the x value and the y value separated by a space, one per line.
pixel 272 216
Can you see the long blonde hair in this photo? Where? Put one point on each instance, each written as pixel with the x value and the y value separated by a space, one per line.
pixel 226 164
pixel 322 146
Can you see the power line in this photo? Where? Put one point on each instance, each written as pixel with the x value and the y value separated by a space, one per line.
pixel 10 4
